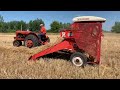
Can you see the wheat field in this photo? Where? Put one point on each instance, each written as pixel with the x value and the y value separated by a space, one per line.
pixel 14 62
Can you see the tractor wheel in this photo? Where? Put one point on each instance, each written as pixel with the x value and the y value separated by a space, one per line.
pixel 78 59
pixel 31 41
pixel 17 43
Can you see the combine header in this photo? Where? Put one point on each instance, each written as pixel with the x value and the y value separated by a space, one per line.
pixel 82 41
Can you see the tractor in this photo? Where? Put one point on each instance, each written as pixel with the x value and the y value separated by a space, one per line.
pixel 29 39
pixel 82 41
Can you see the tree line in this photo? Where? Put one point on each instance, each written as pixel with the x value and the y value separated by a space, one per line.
pixel 116 27
pixel 32 25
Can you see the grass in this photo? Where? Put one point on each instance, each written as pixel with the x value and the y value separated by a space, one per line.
pixel 14 62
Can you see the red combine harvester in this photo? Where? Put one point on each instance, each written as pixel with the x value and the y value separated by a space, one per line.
pixel 82 41
pixel 29 38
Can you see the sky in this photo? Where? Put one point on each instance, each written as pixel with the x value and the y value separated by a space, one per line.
pixel 62 16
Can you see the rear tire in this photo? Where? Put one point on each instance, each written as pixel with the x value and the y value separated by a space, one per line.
pixel 17 43
pixel 78 59
pixel 34 40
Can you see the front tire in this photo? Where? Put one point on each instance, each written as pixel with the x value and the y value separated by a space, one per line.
pixel 17 43
pixel 78 59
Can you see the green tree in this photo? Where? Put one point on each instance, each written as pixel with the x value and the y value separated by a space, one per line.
pixel 5 27
pixel 21 23
pixel 1 23
pixel 55 26
pixel 116 27
pixel 35 24
pixel 61 25
pixel 12 26
pixel 66 25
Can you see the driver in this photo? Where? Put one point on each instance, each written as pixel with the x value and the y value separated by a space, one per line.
pixel 42 32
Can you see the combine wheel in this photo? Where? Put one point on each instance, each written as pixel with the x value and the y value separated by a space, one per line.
pixel 78 59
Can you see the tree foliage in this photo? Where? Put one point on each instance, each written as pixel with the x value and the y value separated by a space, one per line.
pixel 116 27
pixel 1 23
pixel 56 26
pixel 12 26
pixel 32 25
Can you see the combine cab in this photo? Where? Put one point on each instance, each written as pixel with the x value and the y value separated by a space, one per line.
pixel 29 39
pixel 82 41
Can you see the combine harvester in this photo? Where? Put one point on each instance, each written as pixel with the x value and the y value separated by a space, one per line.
pixel 82 41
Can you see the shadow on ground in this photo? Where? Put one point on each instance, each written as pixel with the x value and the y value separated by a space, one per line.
pixel 58 55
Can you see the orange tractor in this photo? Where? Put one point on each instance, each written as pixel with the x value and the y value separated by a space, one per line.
pixel 29 39
pixel 82 41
